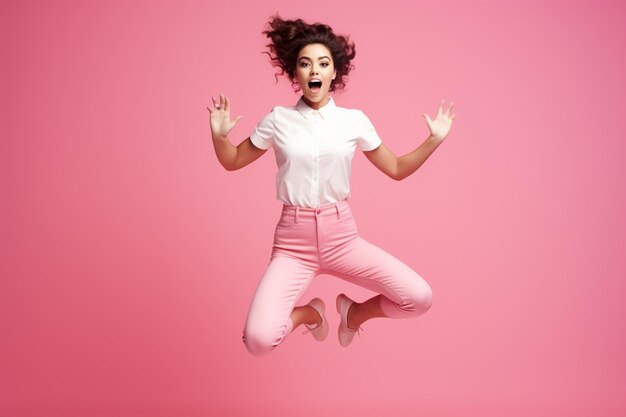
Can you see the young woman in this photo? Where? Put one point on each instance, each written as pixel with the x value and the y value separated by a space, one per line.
pixel 314 143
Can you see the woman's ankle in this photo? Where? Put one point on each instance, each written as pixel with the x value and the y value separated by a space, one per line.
pixel 350 318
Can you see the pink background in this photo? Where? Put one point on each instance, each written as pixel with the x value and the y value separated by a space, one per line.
pixel 130 256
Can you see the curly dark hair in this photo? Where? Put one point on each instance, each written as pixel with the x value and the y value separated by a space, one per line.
pixel 288 37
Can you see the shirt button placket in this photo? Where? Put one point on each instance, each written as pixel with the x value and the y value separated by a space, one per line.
pixel 316 158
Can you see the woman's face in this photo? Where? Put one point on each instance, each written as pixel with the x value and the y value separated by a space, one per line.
pixel 315 71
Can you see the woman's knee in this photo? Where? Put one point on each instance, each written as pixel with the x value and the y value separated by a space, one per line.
pixel 260 342
pixel 415 299
pixel 257 344
pixel 419 298
pixel 424 298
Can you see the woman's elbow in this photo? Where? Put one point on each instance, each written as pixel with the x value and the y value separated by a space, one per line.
pixel 230 167
pixel 396 176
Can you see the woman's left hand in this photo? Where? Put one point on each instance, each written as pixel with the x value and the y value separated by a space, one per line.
pixel 440 127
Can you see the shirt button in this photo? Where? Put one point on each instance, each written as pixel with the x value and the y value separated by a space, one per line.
pixel 318 211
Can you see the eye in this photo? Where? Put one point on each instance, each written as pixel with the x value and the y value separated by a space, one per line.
pixel 325 64
pixel 303 63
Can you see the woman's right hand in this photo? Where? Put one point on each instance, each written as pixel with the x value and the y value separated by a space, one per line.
pixel 220 117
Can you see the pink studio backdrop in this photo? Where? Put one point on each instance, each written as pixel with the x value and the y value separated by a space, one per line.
pixel 130 256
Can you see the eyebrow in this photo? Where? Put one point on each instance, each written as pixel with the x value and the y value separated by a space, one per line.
pixel 306 57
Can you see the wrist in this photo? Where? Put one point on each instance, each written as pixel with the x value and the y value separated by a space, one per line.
pixel 436 139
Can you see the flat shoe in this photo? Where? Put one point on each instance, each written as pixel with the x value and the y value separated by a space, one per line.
pixel 344 333
pixel 319 331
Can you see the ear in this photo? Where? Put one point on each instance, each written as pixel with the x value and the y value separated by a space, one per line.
pixel 334 74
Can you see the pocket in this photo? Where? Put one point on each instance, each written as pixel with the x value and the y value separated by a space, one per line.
pixel 284 232
pixel 285 222
pixel 347 222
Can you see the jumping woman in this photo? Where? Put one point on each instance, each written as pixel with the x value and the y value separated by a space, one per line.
pixel 314 142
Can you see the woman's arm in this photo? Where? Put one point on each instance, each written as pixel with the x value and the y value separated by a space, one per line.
pixel 402 167
pixel 231 157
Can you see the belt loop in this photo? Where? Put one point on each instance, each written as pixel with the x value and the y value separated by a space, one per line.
pixel 297 214
pixel 337 208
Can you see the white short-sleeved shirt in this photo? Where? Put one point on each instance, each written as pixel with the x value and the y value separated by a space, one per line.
pixel 314 150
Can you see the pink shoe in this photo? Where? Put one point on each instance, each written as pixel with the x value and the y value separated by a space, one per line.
pixel 319 331
pixel 343 331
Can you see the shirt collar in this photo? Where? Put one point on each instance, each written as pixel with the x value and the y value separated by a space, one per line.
pixel 324 111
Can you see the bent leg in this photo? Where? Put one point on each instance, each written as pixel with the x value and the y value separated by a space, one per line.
pixel 268 322
pixel 404 293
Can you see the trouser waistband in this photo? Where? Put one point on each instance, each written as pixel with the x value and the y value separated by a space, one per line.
pixel 304 213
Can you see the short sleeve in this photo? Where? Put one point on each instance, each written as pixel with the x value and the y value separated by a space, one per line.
pixel 263 135
pixel 368 139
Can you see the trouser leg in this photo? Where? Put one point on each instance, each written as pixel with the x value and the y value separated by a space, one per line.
pixel 404 292
pixel 268 322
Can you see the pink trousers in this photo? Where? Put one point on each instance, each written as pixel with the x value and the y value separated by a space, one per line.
pixel 308 242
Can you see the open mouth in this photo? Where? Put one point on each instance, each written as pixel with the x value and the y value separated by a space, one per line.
pixel 315 85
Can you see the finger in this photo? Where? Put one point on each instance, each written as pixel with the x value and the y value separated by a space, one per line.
pixel 428 120
pixel 209 109
pixel 452 117
pixel 237 120
pixel 449 109
pixel 439 111
pixel 222 104
pixel 226 104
